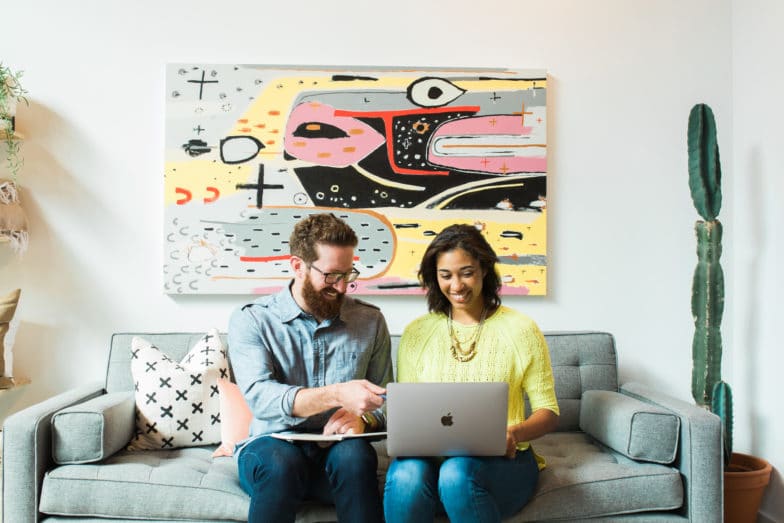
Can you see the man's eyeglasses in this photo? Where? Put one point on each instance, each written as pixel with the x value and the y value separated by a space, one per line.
pixel 333 278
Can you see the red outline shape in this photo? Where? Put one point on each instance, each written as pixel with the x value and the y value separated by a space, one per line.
pixel 187 196
pixel 215 194
pixel 386 116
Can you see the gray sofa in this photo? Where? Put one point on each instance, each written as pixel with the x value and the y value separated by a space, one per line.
pixel 620 453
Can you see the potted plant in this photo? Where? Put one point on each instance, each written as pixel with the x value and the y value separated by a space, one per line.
pixel 11 93
pixel 745 477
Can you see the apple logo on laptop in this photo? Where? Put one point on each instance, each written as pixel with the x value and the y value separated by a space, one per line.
pixel 446 421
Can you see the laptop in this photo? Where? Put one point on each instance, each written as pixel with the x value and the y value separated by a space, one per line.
pixel 447 419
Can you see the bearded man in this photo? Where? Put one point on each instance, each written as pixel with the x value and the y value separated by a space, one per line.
pixel 311 359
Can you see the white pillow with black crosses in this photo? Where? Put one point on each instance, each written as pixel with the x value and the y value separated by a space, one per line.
pixel 177 404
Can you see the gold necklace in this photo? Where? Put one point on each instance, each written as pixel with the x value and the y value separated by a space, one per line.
pixel 456 348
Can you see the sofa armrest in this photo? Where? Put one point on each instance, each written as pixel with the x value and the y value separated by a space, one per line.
pixel 637 429
pixel 27 452
pixel 93 430
pixel 699 452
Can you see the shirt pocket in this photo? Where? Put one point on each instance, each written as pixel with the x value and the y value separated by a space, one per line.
pixel 349 365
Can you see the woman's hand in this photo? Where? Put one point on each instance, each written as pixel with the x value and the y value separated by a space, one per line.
pixel 511 443
pixel 538 424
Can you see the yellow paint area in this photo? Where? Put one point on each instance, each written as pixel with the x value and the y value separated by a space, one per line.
pixel 412 243
pixel 197 175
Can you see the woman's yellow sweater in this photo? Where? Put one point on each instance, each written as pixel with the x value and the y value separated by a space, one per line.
pixel 510 348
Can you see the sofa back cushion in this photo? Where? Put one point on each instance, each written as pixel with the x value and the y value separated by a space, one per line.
pixel 581 361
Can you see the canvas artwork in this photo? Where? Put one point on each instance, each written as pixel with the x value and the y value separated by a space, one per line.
pixel 397 153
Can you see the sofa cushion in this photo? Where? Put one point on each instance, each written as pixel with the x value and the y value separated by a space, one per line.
pixel 157 485
pixel 181 484
pixel 581 361
pixel 235 417
pixel 177 404
pixel 583 480
pixel 637 430
pixel 93 430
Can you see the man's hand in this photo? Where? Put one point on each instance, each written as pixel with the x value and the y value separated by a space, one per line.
pixel 344 422
pixel 359 396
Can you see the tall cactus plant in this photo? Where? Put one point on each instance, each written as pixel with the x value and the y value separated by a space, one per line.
pixel 707 298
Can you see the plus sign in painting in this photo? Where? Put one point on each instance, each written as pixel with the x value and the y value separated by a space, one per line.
pixel 398 153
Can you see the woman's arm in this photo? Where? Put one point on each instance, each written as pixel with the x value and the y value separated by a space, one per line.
pixel 535 426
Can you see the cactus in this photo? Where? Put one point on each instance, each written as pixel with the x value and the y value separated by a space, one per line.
pixel 707 293
pixel 707 307
pixel 704 164
pixel 707 299
pixel 722 406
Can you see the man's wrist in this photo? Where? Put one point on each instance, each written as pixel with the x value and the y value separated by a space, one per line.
pixel 370 421
pixel 334 396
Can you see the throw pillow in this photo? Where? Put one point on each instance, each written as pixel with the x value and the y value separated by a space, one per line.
pixel 177 404
pixel 235 417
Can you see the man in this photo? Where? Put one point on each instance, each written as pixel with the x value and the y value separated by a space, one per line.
pixel 311 359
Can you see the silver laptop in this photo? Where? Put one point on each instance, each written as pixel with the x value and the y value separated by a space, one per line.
pixel 446 419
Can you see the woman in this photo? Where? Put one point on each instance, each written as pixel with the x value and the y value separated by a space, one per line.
pixel 469 336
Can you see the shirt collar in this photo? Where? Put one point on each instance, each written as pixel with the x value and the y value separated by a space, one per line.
pixel 288 308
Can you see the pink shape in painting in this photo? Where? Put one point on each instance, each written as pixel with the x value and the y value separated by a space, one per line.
pixel 315 134
pixel 493 144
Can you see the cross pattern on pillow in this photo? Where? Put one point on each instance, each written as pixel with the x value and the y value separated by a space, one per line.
pixel 177 404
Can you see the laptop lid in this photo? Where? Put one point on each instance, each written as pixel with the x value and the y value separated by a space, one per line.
pixel 447 419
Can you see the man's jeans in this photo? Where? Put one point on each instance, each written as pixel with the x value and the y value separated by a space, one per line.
pixel 279 476
pixel 480 489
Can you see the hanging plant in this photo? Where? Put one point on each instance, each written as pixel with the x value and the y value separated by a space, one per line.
pixel 11 93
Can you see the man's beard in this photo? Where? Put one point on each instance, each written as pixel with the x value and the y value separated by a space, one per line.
pixel 318 305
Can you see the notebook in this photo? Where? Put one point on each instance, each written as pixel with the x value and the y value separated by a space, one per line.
pixel 447 419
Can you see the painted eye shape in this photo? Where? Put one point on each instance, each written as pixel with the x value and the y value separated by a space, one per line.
pixel 239 149
pixel 432 92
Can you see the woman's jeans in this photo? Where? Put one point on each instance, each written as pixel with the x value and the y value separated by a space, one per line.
pixel 279 476
pixel 467 489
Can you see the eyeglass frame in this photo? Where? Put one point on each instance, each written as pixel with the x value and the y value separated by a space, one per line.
pixel 348 277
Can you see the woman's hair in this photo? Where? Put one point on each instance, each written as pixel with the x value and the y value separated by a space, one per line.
pixel 468 238
pixel 326 229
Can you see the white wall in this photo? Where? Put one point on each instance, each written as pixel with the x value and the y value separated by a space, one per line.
pixel 623 76
pixel 757 188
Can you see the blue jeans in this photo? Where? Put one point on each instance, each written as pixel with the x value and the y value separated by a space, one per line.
pixel 467 489
pixel 279 476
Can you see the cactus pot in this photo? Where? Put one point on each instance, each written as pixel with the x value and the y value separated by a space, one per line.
pixel 745 480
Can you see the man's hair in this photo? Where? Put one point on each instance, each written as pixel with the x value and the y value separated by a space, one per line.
pixel 468 238
pixel 325 229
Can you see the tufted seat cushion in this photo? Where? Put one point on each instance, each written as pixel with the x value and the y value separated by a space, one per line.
pixel 185 484
pixel 181 484
pixel 584 480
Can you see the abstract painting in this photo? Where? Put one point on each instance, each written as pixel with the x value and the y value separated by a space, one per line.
pixel 399 153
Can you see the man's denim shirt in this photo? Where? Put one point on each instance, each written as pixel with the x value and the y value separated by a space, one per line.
pixel 276 349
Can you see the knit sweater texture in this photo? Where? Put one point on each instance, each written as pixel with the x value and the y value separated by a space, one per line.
pixel 510 348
